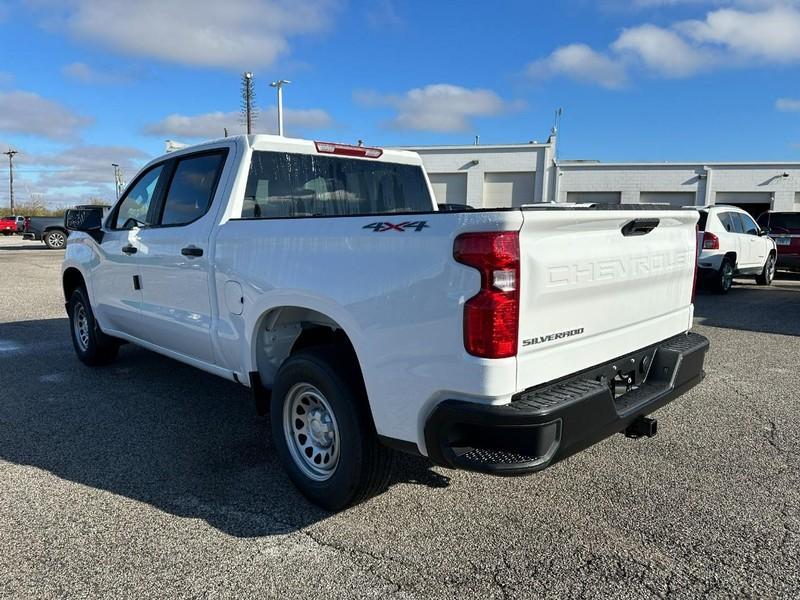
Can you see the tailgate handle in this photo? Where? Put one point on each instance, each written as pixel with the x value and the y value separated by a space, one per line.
pixel 639 226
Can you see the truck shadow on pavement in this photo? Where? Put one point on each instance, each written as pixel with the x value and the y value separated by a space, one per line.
pixel 153 430
pixel 749 307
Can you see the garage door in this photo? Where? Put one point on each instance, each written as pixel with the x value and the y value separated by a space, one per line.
pixel 504 190
pixel 755 203
pixel 593 197
pixel 449 188
pixel 673 198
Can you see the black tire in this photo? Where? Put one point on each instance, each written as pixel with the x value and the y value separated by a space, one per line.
pixel 93 347
pixel 55 239
pixel 768 273
pixel 363 465
pixel 723 280
pixel 6 233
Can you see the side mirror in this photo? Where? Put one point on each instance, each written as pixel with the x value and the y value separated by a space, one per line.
pixel 762 232
pixel 88 220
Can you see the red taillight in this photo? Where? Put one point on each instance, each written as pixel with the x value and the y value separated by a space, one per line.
pixel 347 150
pixel 710 241
pixel 491 317
pixel 695 257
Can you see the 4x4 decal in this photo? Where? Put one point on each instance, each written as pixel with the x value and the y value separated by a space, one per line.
pixel 381 226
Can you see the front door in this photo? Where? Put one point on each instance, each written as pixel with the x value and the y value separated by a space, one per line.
pixel 174 261
pixel 117 298
pixel 757 245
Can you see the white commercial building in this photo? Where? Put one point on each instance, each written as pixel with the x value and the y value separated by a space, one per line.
pixel 515 174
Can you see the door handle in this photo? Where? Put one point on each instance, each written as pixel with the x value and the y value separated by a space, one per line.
pixel 192 251
pixel 129 249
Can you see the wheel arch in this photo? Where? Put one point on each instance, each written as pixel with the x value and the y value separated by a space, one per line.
pixel 71 280
pixel 286 328
pixel 732 256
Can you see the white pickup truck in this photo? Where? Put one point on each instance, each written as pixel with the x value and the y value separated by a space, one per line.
pixel 323 277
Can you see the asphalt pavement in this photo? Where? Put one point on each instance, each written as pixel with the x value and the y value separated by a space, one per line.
pixel 149 478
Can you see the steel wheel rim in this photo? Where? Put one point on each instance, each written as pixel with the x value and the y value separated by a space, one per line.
pixel 770 269
pixel 80 324
pixel 57 239
pixel 311 431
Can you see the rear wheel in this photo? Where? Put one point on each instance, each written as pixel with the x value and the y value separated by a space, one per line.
pixel 55 240
pixel 323 432
pixel 724 277
pixel 768 274
pixel 92 346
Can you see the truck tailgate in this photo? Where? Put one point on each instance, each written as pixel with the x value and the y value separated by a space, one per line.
pixel 597 284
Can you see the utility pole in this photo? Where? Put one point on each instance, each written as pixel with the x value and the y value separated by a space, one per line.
pixel 248 95
pixel 10 155
pixel 279 86
pixel 117 179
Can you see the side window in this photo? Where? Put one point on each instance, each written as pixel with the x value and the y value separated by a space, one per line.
pixel 191 189
pixel 132 211
pixel 727 222
pixel 737 222
pixel 750 227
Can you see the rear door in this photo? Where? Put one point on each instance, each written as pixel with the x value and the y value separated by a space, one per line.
pixel 731 238
pixel 174 259
pixel 597 284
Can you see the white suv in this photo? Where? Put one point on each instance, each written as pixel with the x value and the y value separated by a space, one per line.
pixel 731 244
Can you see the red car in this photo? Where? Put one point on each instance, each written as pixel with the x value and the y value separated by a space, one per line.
pixel 784 228
pixel 8 225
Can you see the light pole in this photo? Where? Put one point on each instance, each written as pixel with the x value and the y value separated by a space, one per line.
pixel 279 85
pixel 10 153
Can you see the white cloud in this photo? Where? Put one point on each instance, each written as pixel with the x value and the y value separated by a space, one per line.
pixel 213 124
pixel 772 35
pixel 232 34
pixel 662 50
pixel 382 14
pixel 581 63
pixel 28 113
pixel 726 38
pixel 74 174
pixel 79 71
pixel 439 107
pixel 788 104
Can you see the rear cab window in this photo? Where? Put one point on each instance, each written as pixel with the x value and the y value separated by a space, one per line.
pixel 282 184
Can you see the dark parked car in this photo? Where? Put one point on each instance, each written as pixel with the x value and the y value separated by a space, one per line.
pixel 784 228
pixel 51 230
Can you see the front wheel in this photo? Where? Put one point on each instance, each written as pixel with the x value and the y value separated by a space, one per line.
pixel 323 432
pixel 768 274
pixel 92 346
pixel 55 240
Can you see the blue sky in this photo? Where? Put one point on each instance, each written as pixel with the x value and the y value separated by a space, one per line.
pixel 84 83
